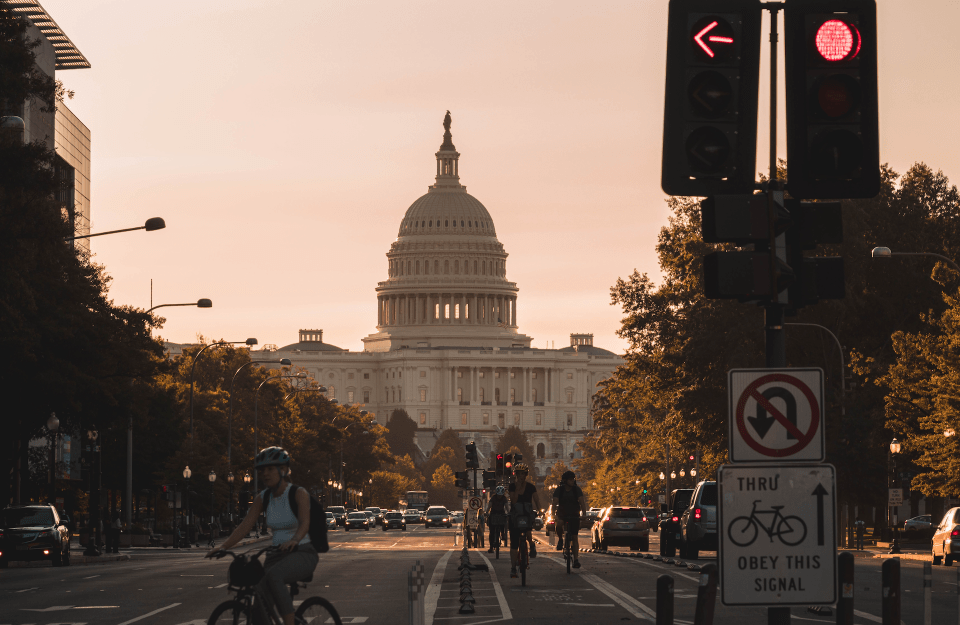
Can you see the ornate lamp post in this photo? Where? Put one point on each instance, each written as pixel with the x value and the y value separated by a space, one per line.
pixel 213 478
pixel 230 505
pixel 53 426
pixel 894 452
pixel 186 475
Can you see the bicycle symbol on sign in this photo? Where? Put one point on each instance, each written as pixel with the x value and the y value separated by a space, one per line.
pixel 743 532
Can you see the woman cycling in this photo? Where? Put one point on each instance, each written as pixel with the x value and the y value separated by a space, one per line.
pixel 523 499
pixel 296 558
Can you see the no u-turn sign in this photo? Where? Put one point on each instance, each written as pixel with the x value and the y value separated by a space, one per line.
pixel 776 414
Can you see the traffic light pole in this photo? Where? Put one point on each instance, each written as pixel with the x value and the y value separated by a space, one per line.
pixel 776 345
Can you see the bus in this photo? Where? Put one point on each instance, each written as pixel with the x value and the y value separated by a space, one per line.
pixel 415 500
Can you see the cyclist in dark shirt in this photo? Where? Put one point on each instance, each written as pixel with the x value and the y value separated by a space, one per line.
pixel 523 495
pixel 568 505
pixel 497 505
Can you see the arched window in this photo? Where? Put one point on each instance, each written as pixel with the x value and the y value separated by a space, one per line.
pixel 558 450
pixel 333 391
pixel 533 394
pixel 474 267
pixel 469 224
pixel 481 393
pixel 436 266
pixel 496 395
pixel 446 266
pixel 456 266
pixel 541 450
pixel 418 267
pixel 446 223
pixel 408 267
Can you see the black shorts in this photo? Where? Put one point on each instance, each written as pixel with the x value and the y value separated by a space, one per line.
pixel 570 519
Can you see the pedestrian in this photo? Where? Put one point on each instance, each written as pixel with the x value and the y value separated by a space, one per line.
pixel 116 526
pixel 481 522
pixel 860 527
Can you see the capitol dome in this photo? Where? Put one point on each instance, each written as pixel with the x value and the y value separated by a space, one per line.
pixel 447 272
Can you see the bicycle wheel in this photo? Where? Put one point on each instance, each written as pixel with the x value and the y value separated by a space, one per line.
pixel 231 612
pixel 523 561
pixel 317 610
pixel 742 531
pixel 794 527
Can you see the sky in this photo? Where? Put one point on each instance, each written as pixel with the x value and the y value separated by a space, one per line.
pixel 283 141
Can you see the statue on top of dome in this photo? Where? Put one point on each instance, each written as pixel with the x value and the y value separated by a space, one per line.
pixel 446 122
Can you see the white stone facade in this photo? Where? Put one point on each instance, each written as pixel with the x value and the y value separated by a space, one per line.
pixel 447 349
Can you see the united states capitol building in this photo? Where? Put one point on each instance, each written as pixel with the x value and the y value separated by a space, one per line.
pixel 447 349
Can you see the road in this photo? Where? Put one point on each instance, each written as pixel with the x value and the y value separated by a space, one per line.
pixel 365 574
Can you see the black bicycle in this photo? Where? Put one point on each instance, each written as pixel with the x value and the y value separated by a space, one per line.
pixel 244 574
pixel 498 523
pixel 522 518
pixel 568 534
pixel 790 530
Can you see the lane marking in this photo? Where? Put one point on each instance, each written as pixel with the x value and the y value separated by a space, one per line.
pixel 94 607
pixel 662 568
pixel 29 589
pixel 222 585
pixel 433 590
pixel 589 605
pixel 183 575
pixel 157 611
pixel 867 616
pixel 627 602
pixel 501 599
pixel 91 577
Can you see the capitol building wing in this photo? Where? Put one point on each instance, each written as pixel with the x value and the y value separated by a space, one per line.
pixel 447 349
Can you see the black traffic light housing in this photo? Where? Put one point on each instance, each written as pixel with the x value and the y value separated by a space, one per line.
pixel 833 143
pixel 508 464
pixel 817 277
pixel 710 109
pixel 489 479
pixel 499 467
pixel 759 273
pixel 461 480
pixel 472 460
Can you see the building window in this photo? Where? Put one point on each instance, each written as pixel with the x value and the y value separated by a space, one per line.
pixel 423 374
pixel 502 418
pixel 423 417
pixel 386 394
pixel 366 376
pixel 516 419
pixel 496 374
pixel 463 418
pixel 350 397
pixel 496 395
pixel 533 375
pixel 513 374
pixel 569 397
pixel 393 395
pixel 569 419
pixel 486 418
pixel 541 450
pixel 459 394
pixel 400 374
pixel 533 394
pixel 483 374
pixel 399 394
pixel 540 421
pixel 513 395
pixel 423 394
pixel 459 374
pixel 366 397
pixel 569 376
pixel 481 393
pixel 393 374
pixel 349 376
pixel 333 391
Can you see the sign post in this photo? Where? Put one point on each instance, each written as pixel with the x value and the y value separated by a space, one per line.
pixel 777 534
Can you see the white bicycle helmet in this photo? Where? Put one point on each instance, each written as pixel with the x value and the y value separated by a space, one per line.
pixel 501 490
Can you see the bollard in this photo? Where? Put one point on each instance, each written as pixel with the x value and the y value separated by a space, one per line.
pixel 845 590
pixel 778 616
pixel 890 587
pixel 665 600
pixel 927 593
pixel 706 594
pixel 411 599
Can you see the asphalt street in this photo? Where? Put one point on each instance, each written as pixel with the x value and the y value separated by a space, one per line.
pixel 365 576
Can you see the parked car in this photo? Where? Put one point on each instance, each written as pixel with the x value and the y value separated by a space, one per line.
pixel 945 545
pixel 437 515
pixel 653 517
pixel 377 512
pixel 339 512
pixel 412 516
pixel 33 533
pixel 331 521
pixel 621 525
pixel 698 523
pixel 590 517
pixel 917 525
pixel 393 520
pixel 457 518
pixel 357 521
pixel 670 520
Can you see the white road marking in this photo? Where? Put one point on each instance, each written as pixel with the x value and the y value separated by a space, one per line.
pixel 433 590
pixel 662 568
pixel 588 605
pixel 157 611
pixel 29 589
pixel 504 608
pixel 53 608
pixel 222 585
pixel 91 577
pixel 627 602
pixel 94 607
pixel 210 575
pixel 869 617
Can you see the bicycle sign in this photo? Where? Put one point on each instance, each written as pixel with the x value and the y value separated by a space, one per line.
pixel 777 534
pixel 776 414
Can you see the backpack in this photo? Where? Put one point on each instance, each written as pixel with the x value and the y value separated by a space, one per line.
pixel 318 518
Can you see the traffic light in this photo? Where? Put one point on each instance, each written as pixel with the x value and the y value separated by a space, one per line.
pixel 745 220
pixel 517 458
pixel 461 480
pixel 833 144
pixel 710 112
pixel 508 464
pixel 473 461
pixel 489 479
pixel 817 277
pixel 499 464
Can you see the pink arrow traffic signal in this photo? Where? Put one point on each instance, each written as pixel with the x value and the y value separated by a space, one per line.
pixel 712 38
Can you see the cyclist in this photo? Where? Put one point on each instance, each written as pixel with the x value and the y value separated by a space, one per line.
pixel 568 505
pixel 497 505
pixel 296 558
pixel 522 492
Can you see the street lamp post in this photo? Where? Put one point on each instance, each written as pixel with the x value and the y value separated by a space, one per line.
pixel 53 426
pixel 200 303
pixel 93 546
pixel 213 478
pixel 154 223
pixel 894 452
pixel 885 252
pixel 250 342
pixel 343 434
pixel 256 425
pixel 186 475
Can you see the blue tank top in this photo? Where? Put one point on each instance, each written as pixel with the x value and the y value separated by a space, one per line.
pixel 280 517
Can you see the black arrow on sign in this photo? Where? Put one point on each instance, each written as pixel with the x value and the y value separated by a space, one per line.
pixel 762 422
pixel 820 492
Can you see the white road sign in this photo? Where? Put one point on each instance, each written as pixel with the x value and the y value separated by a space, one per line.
pixel 474 503
pixel 895 497
pixel 776 415
pixel 777 534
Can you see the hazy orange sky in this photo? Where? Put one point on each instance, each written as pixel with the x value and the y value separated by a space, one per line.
pixel 283 141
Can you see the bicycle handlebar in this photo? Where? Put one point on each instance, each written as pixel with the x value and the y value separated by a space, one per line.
pixel 224 552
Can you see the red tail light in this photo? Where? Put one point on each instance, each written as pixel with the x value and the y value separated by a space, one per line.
pixel 696 513
pixel 675 519
pixel 606 518
pixel 955 532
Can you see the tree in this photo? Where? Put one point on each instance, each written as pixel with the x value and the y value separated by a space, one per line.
pixel 442 490
pixel 386 488
pixel 552 479
pixel 442 457
pixel 449 438
pixel 401 430
pixel 513 441
pixel 405 467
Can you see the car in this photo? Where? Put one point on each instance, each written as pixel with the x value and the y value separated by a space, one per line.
pixel 371 517
pixel 394 520
pixel 411 516
pixel 918 525
pixel 670 520
pixel 538 522
pixel 331 521
pixel 621 525
pixel 457 518
pixel 437 515
pixel 945 547
pixel 339 512
pixel 698 523
pixel 589 518
pixel 653 517
pixel 378 512
pixel 550 524
pixel 357 521
pixel 34 532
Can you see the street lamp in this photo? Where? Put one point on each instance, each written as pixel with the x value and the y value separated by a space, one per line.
pixel 213 478
pixel 154 223
pixel 662 476
pixel 884 252
pixel 186 475
pixel 673 475
pixel 693 473
pixel 200 303
pixel 256 424
pixel 343 433
pixel 895 447
pixel 93 546
pixel 53 425
pixel 250 342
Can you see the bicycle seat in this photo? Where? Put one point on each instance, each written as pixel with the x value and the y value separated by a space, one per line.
pixel 777 507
